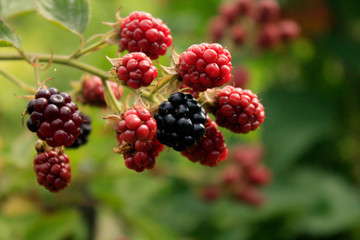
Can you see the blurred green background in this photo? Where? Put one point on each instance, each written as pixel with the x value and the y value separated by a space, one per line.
pixel 311 93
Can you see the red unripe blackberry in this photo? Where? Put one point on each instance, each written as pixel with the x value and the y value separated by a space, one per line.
pixel 231 175
pixel 211 193
pixel 136 124
pixel 260 175
pixel 243 6
pixel 238 110
pixel 142 156
pixel 267 11
pixel 52 170
pixel 180 121
pixel 54 117
pixel 238 34
pixel 205 66
pixel 248 157
pixel 141 32
pixel 249 195
pixel 85 131
pixel 268 36
pixel 240 77
pixel 211 149
pixel 228 11
pixel 93 91
pixel 289 30
pixel 137 70
pixel 217 28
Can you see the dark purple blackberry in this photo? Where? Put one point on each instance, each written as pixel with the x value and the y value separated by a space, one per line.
pixel 54 117
pixel 85 130
pixel 180 121
pixel 52 170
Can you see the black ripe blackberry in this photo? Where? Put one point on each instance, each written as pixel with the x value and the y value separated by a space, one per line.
pixel 85 130
pixel 180 121
pixel 54 117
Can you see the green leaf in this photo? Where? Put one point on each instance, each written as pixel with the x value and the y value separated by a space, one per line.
pixel 10 8
pixel 7 36
pixel 70 14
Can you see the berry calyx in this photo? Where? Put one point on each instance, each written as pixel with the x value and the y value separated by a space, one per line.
pixel 238 110
pixel 205 66
pixel 54 117
pixel 211 149
pixel 93 91
pixel 141 32
pixel 52 170
pixel 180 121
pixel 136 70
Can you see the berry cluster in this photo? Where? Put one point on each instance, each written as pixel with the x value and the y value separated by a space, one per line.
pixel 54 117
pixel 142 130
pixel 238 110
pixel 205 66
pixel 92 91
pixel 237 17
pixel 241 177
pixel 211 149
pixel 141 32
pixel 52 169
pixel 180 121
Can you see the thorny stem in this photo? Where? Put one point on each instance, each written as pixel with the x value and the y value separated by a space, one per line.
pixel 18 82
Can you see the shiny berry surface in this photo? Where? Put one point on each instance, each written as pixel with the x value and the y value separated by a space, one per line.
pixel 205 66
pixel 141 32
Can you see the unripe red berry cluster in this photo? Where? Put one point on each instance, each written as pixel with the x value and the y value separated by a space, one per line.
pixel 236 19
pixel 137 124
pixel 137 70
pixel 136 134
pixel 211 149
pixel 141 32
pixel 204 66
pixel 92 91
pixel 238 110
pixel 242 177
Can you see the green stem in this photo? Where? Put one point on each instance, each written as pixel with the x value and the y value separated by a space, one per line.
pixel 108 92
pixel 63 60
pixel 91 48
pixel 18 82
